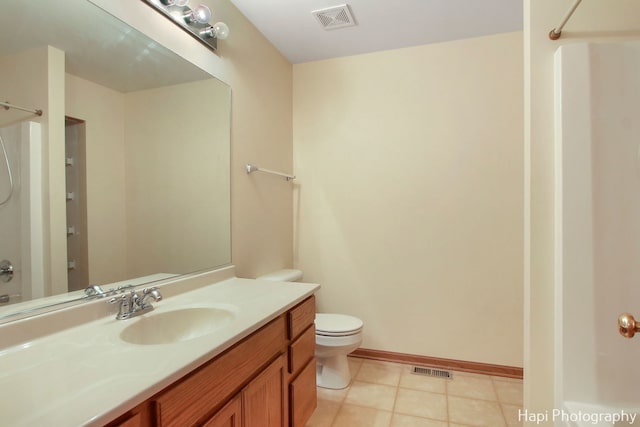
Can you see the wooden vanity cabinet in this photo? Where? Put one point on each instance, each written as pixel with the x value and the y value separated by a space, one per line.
pixel 265 380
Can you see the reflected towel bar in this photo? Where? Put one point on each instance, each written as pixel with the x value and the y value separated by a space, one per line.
pixel 557 31
pixel 8 105
pixel 253 168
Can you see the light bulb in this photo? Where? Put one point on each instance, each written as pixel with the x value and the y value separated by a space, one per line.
pixel 220 30
pixel 180 3
pixel 200 14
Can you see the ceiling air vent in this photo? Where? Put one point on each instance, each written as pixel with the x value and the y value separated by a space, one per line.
pixel 335 17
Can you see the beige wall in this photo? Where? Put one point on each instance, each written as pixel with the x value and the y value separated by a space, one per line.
pixel 24 83
pixel 409 198
pixel 593 21
pixel 261 133
pixel 105 149
pixel 177 174
pixel 55 152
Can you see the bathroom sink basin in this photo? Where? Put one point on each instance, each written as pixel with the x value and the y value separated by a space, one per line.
pixel 176 325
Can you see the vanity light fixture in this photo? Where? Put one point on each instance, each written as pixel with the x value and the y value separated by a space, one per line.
pixel 194 21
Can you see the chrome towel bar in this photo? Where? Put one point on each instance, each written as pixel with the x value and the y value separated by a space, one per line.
pixel 253 168
pixel 7 105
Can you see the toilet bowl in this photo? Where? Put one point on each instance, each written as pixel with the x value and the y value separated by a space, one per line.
pixel 337 335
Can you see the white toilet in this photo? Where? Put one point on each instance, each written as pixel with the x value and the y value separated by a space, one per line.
pixel 337 335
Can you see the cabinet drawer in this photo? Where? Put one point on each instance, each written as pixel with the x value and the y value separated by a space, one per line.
pixel 302 350
pixel 187 402
pixel 301 317
pixel 303 395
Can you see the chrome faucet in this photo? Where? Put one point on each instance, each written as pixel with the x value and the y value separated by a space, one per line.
pixel 132 304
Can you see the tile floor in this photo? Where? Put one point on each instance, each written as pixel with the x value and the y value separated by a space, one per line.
pixel 385 394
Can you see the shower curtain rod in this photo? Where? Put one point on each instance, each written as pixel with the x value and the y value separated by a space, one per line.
pixel 557 31
pixel 8 105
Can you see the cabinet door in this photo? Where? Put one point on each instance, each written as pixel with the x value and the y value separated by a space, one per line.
pixel 133 421
pixel 139 416
pixel 229 416
pixel 303 395
pixel 263 398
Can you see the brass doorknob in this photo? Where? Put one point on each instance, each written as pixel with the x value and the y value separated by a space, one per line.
pixel 628 325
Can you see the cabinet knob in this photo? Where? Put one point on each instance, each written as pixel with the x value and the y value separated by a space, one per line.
pixel 627 325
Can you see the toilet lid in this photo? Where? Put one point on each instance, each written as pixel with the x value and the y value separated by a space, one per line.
pixel 337 324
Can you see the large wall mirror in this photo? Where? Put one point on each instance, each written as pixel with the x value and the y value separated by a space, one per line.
pixel 125 177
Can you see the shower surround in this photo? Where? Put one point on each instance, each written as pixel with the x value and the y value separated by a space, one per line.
pixel 597 243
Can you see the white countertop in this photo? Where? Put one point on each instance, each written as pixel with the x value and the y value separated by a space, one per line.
pixel 86 375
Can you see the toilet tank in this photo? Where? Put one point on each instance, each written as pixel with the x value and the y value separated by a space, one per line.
pixel 285 275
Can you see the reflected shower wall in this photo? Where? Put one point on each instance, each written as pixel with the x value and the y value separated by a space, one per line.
pixel 76 189
pixel 21 217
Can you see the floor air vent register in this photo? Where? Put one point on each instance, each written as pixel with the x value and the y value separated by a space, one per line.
pixel 430 372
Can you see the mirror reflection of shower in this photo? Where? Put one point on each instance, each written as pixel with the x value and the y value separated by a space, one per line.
pixel 21 197
pixel 8 172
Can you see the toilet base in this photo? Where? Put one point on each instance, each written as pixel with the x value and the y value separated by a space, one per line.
pixel 333 372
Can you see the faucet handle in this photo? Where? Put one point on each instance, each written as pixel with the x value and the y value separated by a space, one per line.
pixel 114 300
pixel 134 297
pixel 124 310
pixel 150 293
pixel 123 300
pixel 153 292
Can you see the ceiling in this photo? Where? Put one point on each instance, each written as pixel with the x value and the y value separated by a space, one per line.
pixel 97 46
pixel 381 24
